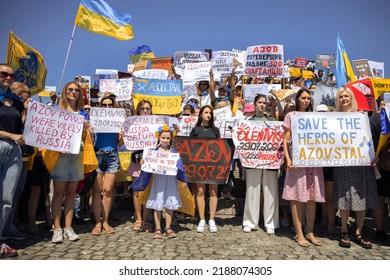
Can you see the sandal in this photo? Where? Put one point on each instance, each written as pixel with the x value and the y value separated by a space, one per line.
pixel 157 234
pixel 344 240
pixel 97 230
pixel 313 240
pixel 147 227
pixel 137 226
pixel 170 233
pixel 301 243
pixel 108 229
pixel 363 243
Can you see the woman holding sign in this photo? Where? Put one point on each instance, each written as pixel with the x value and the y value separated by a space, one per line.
pixel 108 160
pixel 304 186
pixel 354 186
pixel 255 178
pixel 205 128
pixel 68 169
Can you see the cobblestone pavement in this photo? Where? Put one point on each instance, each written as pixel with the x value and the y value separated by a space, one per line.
pixel 230 243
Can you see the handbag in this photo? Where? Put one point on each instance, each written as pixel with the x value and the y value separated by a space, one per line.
pixel 27 150
pixel 384 157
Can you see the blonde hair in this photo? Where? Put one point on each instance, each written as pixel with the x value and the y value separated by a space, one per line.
pixel 353 107
pixel 63 104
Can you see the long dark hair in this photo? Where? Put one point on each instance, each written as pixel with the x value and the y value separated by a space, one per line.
pixel 211 122
pixel 299 93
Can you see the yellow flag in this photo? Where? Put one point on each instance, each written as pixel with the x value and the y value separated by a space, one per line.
pixel 28 64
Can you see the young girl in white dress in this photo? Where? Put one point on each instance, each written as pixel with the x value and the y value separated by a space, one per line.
pixel 164 193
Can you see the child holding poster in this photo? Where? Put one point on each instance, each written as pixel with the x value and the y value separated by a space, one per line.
pixel 304 186
pixel 162 191
pixel 205 128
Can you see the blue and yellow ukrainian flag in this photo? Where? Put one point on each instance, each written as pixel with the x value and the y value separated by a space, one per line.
pixel 28 64
pixel 140 53
pixel 344 71
pixel 98 17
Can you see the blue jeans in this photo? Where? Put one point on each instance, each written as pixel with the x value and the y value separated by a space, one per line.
pixel 10 167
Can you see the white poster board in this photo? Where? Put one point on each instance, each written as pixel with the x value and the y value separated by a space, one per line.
pixel 107 120
pixel 157 162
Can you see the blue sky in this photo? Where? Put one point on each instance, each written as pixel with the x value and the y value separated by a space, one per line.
pixel 305 28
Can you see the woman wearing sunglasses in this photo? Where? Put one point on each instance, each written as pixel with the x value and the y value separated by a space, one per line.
pixel 108 160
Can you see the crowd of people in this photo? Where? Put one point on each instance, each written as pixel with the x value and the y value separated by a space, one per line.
pixel 286 192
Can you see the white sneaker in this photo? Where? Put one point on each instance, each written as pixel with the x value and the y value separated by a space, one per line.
pixel 270 231
pixel 57 236
pixel 246 229
pixel 212 226
pixel 201 226
pixel 70 234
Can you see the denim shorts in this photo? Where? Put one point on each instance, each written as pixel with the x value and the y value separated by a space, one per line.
pixel 108 161
pixel 69 167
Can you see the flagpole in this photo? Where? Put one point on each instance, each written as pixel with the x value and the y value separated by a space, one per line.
pixel 66 58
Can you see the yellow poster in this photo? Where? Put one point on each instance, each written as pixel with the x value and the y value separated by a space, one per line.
pixel 161 105
pixel 380 86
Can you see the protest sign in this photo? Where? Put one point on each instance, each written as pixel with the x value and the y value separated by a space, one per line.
pixel 363 94
pixel 301 62
pixel 139 131
pixel 181 57
pixel 50 128
pixel 162 63
pixel 259 143
pixel 187 123
pixel 222 113
pixel 157 162
pixel 120 87
pixel 362 69
pixel 205 161
pixel 331 139
pixel 380 86
pixel 164 95
pixel 325 60
pixel 85 84
pixel 222 67
pixel 295 72
pixel 325 95
pixel 199 71
pixel 238 57
pixel 377 69
pixel 265 60
pixel 225 126
pixel 101 74
pixel 250 91
pixel 107 119
pixel 160 74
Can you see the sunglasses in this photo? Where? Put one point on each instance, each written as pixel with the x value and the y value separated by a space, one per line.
pixel 87 109
pixel 26 92
pixel 73 89
pixel 107 105
pixel 185 115
pixel 203 84
pixel 145 109
pixel 6 74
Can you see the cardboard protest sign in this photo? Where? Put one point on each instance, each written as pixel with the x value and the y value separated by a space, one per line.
pixel 377 69
pixel 306 74
pixel 265 60
pixel 165 95
pixel 162 63
pixel 362 69
pixel 295 72
pixel 107 119
pixel 222 113
pixel 225 126
pixel 157 162
pixel 50 128
pixel 122 88
pixel 331 139
pixel 259 143
pixel 139 131
pixel 205 161
pixel 325 95
pixel 160 74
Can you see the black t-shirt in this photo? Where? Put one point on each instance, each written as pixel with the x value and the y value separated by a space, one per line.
pixel 11 117
pixel 205 132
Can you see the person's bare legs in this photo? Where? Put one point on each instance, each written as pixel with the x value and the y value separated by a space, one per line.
pixel 213 203
pixel 200 200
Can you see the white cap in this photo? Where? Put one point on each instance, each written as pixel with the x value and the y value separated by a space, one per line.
pixel 322 108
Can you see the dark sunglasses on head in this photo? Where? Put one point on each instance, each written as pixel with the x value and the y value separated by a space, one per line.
pixel 6 74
